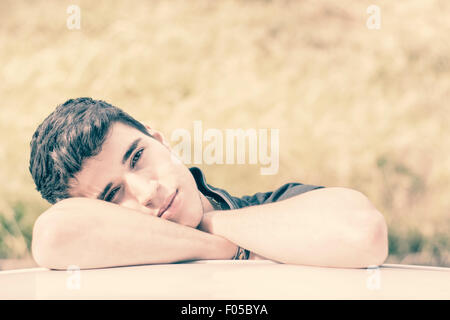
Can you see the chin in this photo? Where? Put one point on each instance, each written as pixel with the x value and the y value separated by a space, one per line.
pixel 193 219
pixel 194 213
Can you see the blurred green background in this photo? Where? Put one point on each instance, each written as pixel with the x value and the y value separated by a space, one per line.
pixel 358 108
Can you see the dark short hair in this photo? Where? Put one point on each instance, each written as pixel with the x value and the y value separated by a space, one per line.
pixel 75 131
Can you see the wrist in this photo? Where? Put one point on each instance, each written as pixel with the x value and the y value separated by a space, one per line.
pixel 206 224
pixel 220 249
pixel 209 224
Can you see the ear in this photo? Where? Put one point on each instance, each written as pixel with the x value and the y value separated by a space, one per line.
pixel 158 136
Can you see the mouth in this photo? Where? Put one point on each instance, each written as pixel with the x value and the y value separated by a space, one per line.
pixel 167 203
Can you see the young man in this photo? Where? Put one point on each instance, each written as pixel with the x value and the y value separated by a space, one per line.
pixel 121 198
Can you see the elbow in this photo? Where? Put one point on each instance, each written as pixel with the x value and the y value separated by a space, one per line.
pixel 45 241
pixel 373 232
pixel 375 240
pixel 52 232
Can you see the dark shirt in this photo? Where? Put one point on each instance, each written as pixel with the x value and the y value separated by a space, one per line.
pixel 221 198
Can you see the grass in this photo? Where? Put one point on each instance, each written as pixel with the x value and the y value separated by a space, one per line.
pixel 359 108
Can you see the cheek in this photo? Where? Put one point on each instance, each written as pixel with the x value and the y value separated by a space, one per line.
pixel 160 163
pixel 134 205
pixel 194 213
pixel 192 206
pixel 196 204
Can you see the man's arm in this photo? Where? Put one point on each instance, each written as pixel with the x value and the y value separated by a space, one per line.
pixel 94 234
pixel 330 227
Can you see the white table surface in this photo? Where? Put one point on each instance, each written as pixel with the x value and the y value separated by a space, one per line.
pixel 225 279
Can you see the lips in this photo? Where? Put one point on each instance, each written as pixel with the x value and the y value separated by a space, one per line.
pixel 167 203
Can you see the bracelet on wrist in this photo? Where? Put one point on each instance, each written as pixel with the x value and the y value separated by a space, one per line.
pixel 241 254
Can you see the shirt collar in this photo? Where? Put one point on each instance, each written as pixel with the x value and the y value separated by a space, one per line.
pixel 217 194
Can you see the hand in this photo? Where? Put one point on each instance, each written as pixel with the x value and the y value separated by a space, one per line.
pixel 223 248
pixel 206 222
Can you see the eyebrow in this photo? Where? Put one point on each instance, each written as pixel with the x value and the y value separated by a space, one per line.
pixel 130 150
pixel 125 158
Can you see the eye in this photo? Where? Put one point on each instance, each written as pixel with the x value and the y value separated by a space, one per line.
pixel 111 195
pixel 136 158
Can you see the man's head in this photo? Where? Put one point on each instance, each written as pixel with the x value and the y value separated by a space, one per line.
pixel 89 148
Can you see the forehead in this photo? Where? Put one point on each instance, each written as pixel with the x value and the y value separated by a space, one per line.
pixel 96 171
pixel 118 135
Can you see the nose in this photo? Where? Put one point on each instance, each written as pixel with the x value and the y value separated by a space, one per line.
pixel 143 189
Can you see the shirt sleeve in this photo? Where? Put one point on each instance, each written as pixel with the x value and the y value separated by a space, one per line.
pixel 284 192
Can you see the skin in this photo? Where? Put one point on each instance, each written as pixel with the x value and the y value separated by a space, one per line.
pixel 329 227
pixel 145 181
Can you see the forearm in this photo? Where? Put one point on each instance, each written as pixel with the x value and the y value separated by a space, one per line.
pixel 94 234
pixel 322 228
